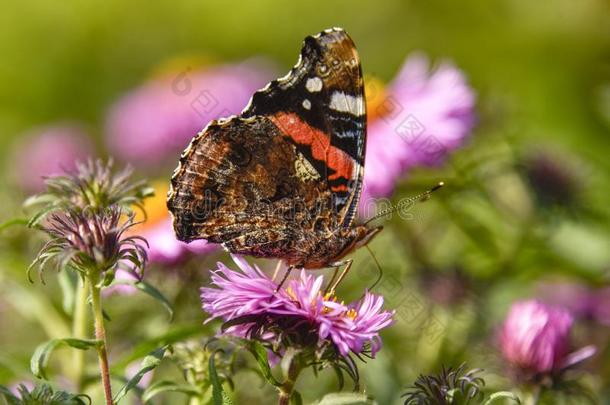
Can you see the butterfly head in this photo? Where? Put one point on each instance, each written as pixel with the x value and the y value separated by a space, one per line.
pixel 356 237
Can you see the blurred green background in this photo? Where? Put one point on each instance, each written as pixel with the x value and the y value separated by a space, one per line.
pixel 541 71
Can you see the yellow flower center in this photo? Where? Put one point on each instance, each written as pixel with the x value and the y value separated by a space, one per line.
pixel 377 102
pixel 350 313
pixel 291 293
pixel 155 207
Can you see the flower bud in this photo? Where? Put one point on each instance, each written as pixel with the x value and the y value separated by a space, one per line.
pixel 535 337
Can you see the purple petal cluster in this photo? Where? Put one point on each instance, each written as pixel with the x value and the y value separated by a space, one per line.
pixel 251 293
pixel 425 115
pixel 535 337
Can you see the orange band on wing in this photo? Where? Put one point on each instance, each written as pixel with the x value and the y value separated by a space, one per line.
pixel 321 149
pixel 340 187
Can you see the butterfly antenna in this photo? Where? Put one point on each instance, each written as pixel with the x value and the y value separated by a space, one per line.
pixel 406 203
pixel 378 268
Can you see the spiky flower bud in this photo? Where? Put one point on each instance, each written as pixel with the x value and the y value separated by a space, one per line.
pixel 446 387
pixel 90 240
pixel 93 185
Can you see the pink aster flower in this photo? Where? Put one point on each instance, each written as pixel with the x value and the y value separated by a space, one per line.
pixel 155 122
pixel 49 151
pixel 249 301
pixel 416 121
pixel 535 339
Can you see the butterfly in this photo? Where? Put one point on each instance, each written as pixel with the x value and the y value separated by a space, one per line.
pixel 283 179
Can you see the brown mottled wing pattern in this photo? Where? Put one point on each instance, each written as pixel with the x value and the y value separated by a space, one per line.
pixel 268 182
pixel 240 183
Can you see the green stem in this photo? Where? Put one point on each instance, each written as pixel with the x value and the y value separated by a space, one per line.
pixel 79 331
pixel 535 398
pixel 287 388
pixel 100 335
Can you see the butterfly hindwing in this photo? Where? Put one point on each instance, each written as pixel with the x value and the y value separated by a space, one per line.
pixel 242 183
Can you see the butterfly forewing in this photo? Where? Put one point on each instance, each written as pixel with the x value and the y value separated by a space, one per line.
pixel 320 106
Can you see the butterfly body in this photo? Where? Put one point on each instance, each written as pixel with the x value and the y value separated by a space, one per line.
pixel 283 179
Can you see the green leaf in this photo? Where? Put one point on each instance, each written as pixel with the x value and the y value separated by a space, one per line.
pixel 13 222
pixel 41 355
pixel 168 386
pixel 40 215
pixel 260 354
pixel 43 394
pixel 345 398
pixel 150 362
pixel 502 395
pixel 68 284
pixel 176 334
pixel 339 374
pixel 219 396
pixel 287 359
pixel 156 294
pixel 296 398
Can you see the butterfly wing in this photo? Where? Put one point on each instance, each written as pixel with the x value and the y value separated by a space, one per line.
pixel 320 106
pixel 243 184
pixel 283 169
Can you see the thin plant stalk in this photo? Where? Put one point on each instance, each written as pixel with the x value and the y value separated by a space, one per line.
pixel 79 329
pixel 287 388
pixel 100 335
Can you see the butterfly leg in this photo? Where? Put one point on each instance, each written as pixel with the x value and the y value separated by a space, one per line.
pixel 288 270
pixel 332 279
pixel 348 264
pixel 277 269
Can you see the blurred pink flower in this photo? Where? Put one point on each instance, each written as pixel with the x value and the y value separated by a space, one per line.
pixel 582 302
pixel 535 338
pixel 155 122
pixel 122 284
pixel 422 116
pixel 49 151
pixel 165 248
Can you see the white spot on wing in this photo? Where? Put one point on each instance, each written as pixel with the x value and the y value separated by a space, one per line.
pixel 313 84
pixel 347 134
pixel 345 103
pixel 306 104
